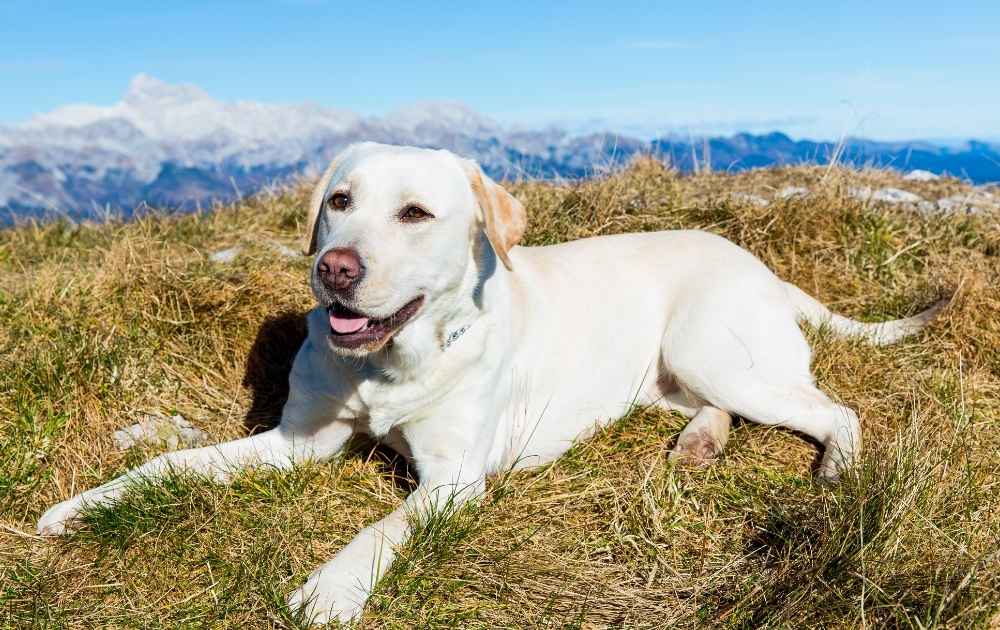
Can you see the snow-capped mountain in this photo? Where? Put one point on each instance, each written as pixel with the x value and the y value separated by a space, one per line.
pixel 176 146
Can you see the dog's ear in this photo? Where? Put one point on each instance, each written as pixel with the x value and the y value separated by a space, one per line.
pixel 316 207
pixel 503 216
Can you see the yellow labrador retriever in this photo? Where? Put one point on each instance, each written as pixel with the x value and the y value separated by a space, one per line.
pixel 435 334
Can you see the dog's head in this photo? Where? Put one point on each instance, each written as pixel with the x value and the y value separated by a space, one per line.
pixel 394 233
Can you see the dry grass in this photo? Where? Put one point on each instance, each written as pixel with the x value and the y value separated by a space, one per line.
pixel 100 323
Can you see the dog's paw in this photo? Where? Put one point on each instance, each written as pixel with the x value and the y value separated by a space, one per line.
pixel 696 449
pixel 60 519
pixel 329 595
pixel 830 470
pixel 835 463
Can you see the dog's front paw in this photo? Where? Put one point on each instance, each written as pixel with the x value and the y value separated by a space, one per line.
pixel 330 595
pixel 61 518
pixel 831 468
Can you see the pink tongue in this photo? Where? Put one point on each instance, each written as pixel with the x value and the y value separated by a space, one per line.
pixel 347 325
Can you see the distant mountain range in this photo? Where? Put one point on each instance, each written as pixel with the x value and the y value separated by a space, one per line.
pixel 174 146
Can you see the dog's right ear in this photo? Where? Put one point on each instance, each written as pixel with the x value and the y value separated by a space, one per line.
pixel 316 207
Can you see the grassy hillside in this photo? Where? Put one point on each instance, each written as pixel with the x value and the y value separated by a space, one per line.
pixel 102 323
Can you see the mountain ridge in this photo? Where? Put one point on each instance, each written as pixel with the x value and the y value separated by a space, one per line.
pixel 173 145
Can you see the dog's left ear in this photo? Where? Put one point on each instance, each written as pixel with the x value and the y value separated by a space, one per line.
pixel 316 207
pixel 503 216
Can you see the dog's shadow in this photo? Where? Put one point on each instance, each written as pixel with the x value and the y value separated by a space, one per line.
pixel 266 373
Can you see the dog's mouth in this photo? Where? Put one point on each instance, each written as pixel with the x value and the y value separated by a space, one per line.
pixel 351 329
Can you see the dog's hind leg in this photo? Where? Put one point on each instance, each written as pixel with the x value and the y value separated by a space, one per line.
pixel 755 363
pixel 805 409
pixel 702 440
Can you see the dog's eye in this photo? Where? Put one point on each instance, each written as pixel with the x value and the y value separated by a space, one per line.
pixel 338 201
pixel 412 214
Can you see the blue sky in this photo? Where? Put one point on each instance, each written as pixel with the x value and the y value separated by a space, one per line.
pixel 881 69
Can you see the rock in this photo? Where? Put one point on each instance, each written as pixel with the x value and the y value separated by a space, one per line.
pixel 861 193
pixel 919 175
pixel 975 202
pixel 751 199
pixel 895 195
pixel 884 195
pixel 283 250
pixel 951 204
pixel 226 256
pixel 790 192
pixel 927 207
pixel 152 430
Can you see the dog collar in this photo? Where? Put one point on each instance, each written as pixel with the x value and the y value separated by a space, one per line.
pixel 454 336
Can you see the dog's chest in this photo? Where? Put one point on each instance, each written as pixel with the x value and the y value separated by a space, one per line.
pixel 390 404
pixel 434 390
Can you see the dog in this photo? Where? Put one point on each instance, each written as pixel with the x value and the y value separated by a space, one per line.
pixel 437 335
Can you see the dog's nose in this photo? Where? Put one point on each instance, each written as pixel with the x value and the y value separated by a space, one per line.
pixel 340 269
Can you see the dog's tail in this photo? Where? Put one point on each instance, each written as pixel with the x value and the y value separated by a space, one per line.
pixel 879 333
